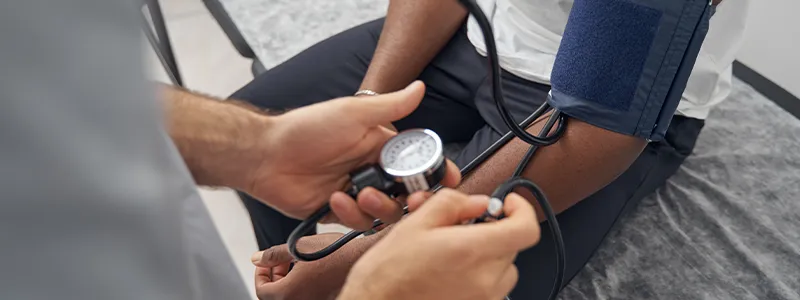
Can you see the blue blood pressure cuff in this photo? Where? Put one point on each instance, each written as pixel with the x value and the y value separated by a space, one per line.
pixel 623 64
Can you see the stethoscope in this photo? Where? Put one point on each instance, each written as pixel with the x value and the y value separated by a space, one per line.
pixel 414 161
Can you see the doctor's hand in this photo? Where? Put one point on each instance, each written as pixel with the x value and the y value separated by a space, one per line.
pixel 429 256
pixel 310 151
pixel 425 243
pixel 273 280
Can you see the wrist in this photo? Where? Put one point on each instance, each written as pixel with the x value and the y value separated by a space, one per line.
pixel 370 84
pixel 218 140
pixel 366 92
pixel 363 244
pixel 358 285
pixel 231 154
pixel 377 80
pixel 250 153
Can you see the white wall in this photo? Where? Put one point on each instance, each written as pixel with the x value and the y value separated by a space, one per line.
pixel 772 42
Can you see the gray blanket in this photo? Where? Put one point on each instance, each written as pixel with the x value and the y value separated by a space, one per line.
pixel 726 226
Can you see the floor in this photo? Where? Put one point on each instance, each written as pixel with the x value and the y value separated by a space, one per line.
pixel 210 65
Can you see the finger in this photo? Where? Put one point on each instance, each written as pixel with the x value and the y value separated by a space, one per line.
pixel 377 204
pixel 448 207
pixel 330 219
pixel 386 108
pixel 274 256
pixel 369 149
pixel 452 177
pixel 268 275
pixel 280 272
pixel 519 230
pixel 266 287
pixel 508 280
pixel 263 276
pixel 348 212
pixel 415 200
pixel 391 127
pixel 401 199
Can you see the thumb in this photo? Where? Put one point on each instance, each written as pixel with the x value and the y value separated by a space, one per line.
pixel 447 208
pixel 274 256
pixel 519 230
pixel 387 108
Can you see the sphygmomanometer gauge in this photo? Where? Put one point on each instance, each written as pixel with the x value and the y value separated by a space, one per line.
pixel 414 158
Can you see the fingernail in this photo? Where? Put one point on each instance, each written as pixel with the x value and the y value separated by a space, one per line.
pixel 256 258
pixel 482 199
pixel 415 82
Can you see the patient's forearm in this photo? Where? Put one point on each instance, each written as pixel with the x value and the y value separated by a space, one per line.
pixel 218 140
pixel 584 160
pixel 413 33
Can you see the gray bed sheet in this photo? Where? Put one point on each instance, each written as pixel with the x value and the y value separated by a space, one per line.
pixel 726 226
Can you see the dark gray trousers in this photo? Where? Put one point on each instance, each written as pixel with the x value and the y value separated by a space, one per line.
pixel 458 106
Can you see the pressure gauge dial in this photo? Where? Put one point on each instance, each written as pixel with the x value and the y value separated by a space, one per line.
pixel 414 158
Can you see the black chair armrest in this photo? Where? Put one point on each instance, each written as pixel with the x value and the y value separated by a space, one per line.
pixel 226 23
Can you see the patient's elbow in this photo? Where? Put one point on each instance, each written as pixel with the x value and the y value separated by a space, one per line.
pixel 583 161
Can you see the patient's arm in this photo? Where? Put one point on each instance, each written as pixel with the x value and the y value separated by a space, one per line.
pixel 584 160
pixel 413 33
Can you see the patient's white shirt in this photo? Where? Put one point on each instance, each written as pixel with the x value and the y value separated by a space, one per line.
pixel 528 34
